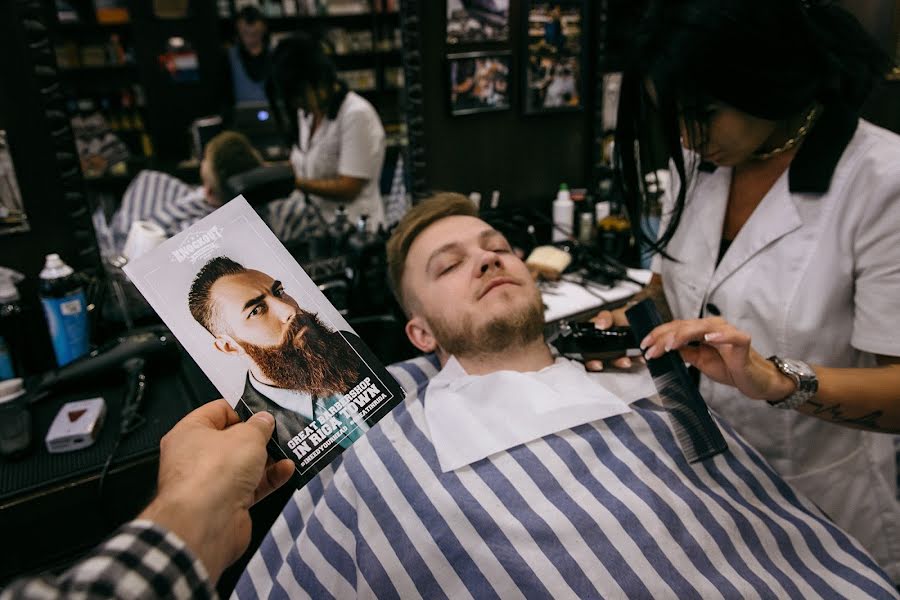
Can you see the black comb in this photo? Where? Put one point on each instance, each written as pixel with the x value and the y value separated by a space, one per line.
pixel 696 431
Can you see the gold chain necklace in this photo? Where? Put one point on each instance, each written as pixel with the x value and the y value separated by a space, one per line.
pixel 792 142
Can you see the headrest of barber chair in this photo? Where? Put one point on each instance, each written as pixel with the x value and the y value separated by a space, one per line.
pixel 262 184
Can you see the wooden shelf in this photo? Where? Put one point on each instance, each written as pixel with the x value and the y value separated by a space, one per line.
pixel 90 28
pixel 286 23
pixel 100 78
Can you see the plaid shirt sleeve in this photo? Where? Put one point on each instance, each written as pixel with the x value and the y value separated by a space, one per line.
pixel 141 560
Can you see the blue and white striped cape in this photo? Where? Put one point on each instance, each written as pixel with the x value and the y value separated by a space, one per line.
pixel 175 206
pixel 606 509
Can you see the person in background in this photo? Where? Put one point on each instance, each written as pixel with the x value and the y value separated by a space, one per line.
pixel 175 205
pixel 781 228
pixel 212 469
pixel 336 137
pixel 507 472
pixel 249 58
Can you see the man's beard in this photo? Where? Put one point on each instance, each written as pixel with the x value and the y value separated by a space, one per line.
pixel 321 363
pixel 512 328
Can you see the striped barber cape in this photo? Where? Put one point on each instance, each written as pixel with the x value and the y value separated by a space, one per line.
pixel 174 205
pixel 607 509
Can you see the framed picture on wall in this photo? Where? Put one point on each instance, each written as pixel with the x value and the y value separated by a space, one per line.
pixel 479 82
pixel 477 21
pixel 555 42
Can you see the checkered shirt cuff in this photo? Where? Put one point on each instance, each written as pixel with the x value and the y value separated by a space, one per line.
pixel 141 560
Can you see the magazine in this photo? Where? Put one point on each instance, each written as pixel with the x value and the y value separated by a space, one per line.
pixel 265 335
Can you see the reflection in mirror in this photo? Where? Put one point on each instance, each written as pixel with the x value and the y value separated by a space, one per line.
pixel 12 211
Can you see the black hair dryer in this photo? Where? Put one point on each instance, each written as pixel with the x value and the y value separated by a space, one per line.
pixel 141 343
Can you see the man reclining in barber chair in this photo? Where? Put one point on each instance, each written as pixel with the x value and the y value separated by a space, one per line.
pixel 507 472
pixel 230 166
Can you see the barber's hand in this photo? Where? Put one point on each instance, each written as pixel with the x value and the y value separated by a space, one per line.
pixel 604 320
pixel 212 469
pixel 724 354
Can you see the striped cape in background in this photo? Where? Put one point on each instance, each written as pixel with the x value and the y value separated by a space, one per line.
pixel 174 205
pixel 606 509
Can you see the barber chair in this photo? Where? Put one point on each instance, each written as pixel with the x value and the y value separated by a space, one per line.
pixel 262 184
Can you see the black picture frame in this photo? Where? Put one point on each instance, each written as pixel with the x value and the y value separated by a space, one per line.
pixel 479 82
pixel 480 21
pixel 555 39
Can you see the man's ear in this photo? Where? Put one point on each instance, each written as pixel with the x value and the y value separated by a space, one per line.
pixel 227 345
pixel 419 333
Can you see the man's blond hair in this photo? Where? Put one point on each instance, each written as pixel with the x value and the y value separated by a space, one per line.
pixel 413 223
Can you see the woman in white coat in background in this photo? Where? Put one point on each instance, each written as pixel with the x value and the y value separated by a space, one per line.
pixel 781 239
pixel 337 139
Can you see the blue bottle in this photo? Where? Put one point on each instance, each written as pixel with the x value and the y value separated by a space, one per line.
pixel 65 308
pixel 12 332
pixel 6 364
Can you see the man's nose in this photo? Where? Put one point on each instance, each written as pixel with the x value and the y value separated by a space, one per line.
pixel 489 260
pixel 283 310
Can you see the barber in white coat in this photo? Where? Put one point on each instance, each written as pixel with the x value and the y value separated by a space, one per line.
pixel 338 141
pixel 786 240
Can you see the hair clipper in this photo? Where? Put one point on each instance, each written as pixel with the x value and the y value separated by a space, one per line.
pixel 584 341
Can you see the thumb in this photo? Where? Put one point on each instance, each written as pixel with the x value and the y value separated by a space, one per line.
pixel 264 423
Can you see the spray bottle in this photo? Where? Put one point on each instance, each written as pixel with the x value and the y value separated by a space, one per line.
pixel 65 307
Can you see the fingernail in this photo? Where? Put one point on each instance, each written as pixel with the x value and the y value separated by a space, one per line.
pixel 265 416
pixel 669 347
pixel 626 363
pixel 650 352
pixel 602 323
pixel 646 342
pixel 711 337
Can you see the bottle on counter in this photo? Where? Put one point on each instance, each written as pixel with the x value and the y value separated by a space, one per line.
pixel 15 420
pixel 563 214
pixel 12 331
pixel 65 307
pixel 613 229
pixel 340 230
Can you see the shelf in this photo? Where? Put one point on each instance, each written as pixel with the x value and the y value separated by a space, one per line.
pixel 86 28
pixel 363 60
pixel 103 78
pixel 107 70
pixel 286 23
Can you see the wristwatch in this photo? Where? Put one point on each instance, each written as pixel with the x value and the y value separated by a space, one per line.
pixel 802 375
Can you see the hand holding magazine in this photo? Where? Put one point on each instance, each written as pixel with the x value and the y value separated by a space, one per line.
pixel 266 336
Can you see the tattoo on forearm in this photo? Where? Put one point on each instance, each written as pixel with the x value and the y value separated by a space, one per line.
pixel 835 414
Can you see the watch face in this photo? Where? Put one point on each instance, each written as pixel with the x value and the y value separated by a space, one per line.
pixel 798 367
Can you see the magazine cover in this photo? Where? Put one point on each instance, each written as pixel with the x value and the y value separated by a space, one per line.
pixel 265 335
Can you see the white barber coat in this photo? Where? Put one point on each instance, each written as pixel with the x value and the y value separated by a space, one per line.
pixel 812 276
pixel 351 144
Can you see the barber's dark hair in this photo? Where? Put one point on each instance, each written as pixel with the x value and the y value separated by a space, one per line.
pixel 768 58
pixel 250 14
pixel 199 302
pixel 302 61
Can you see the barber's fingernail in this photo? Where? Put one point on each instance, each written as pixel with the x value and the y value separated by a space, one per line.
pixel 711 337
pixel 265 416
pixel 646 342
pixel 650 352
pixel 668 346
